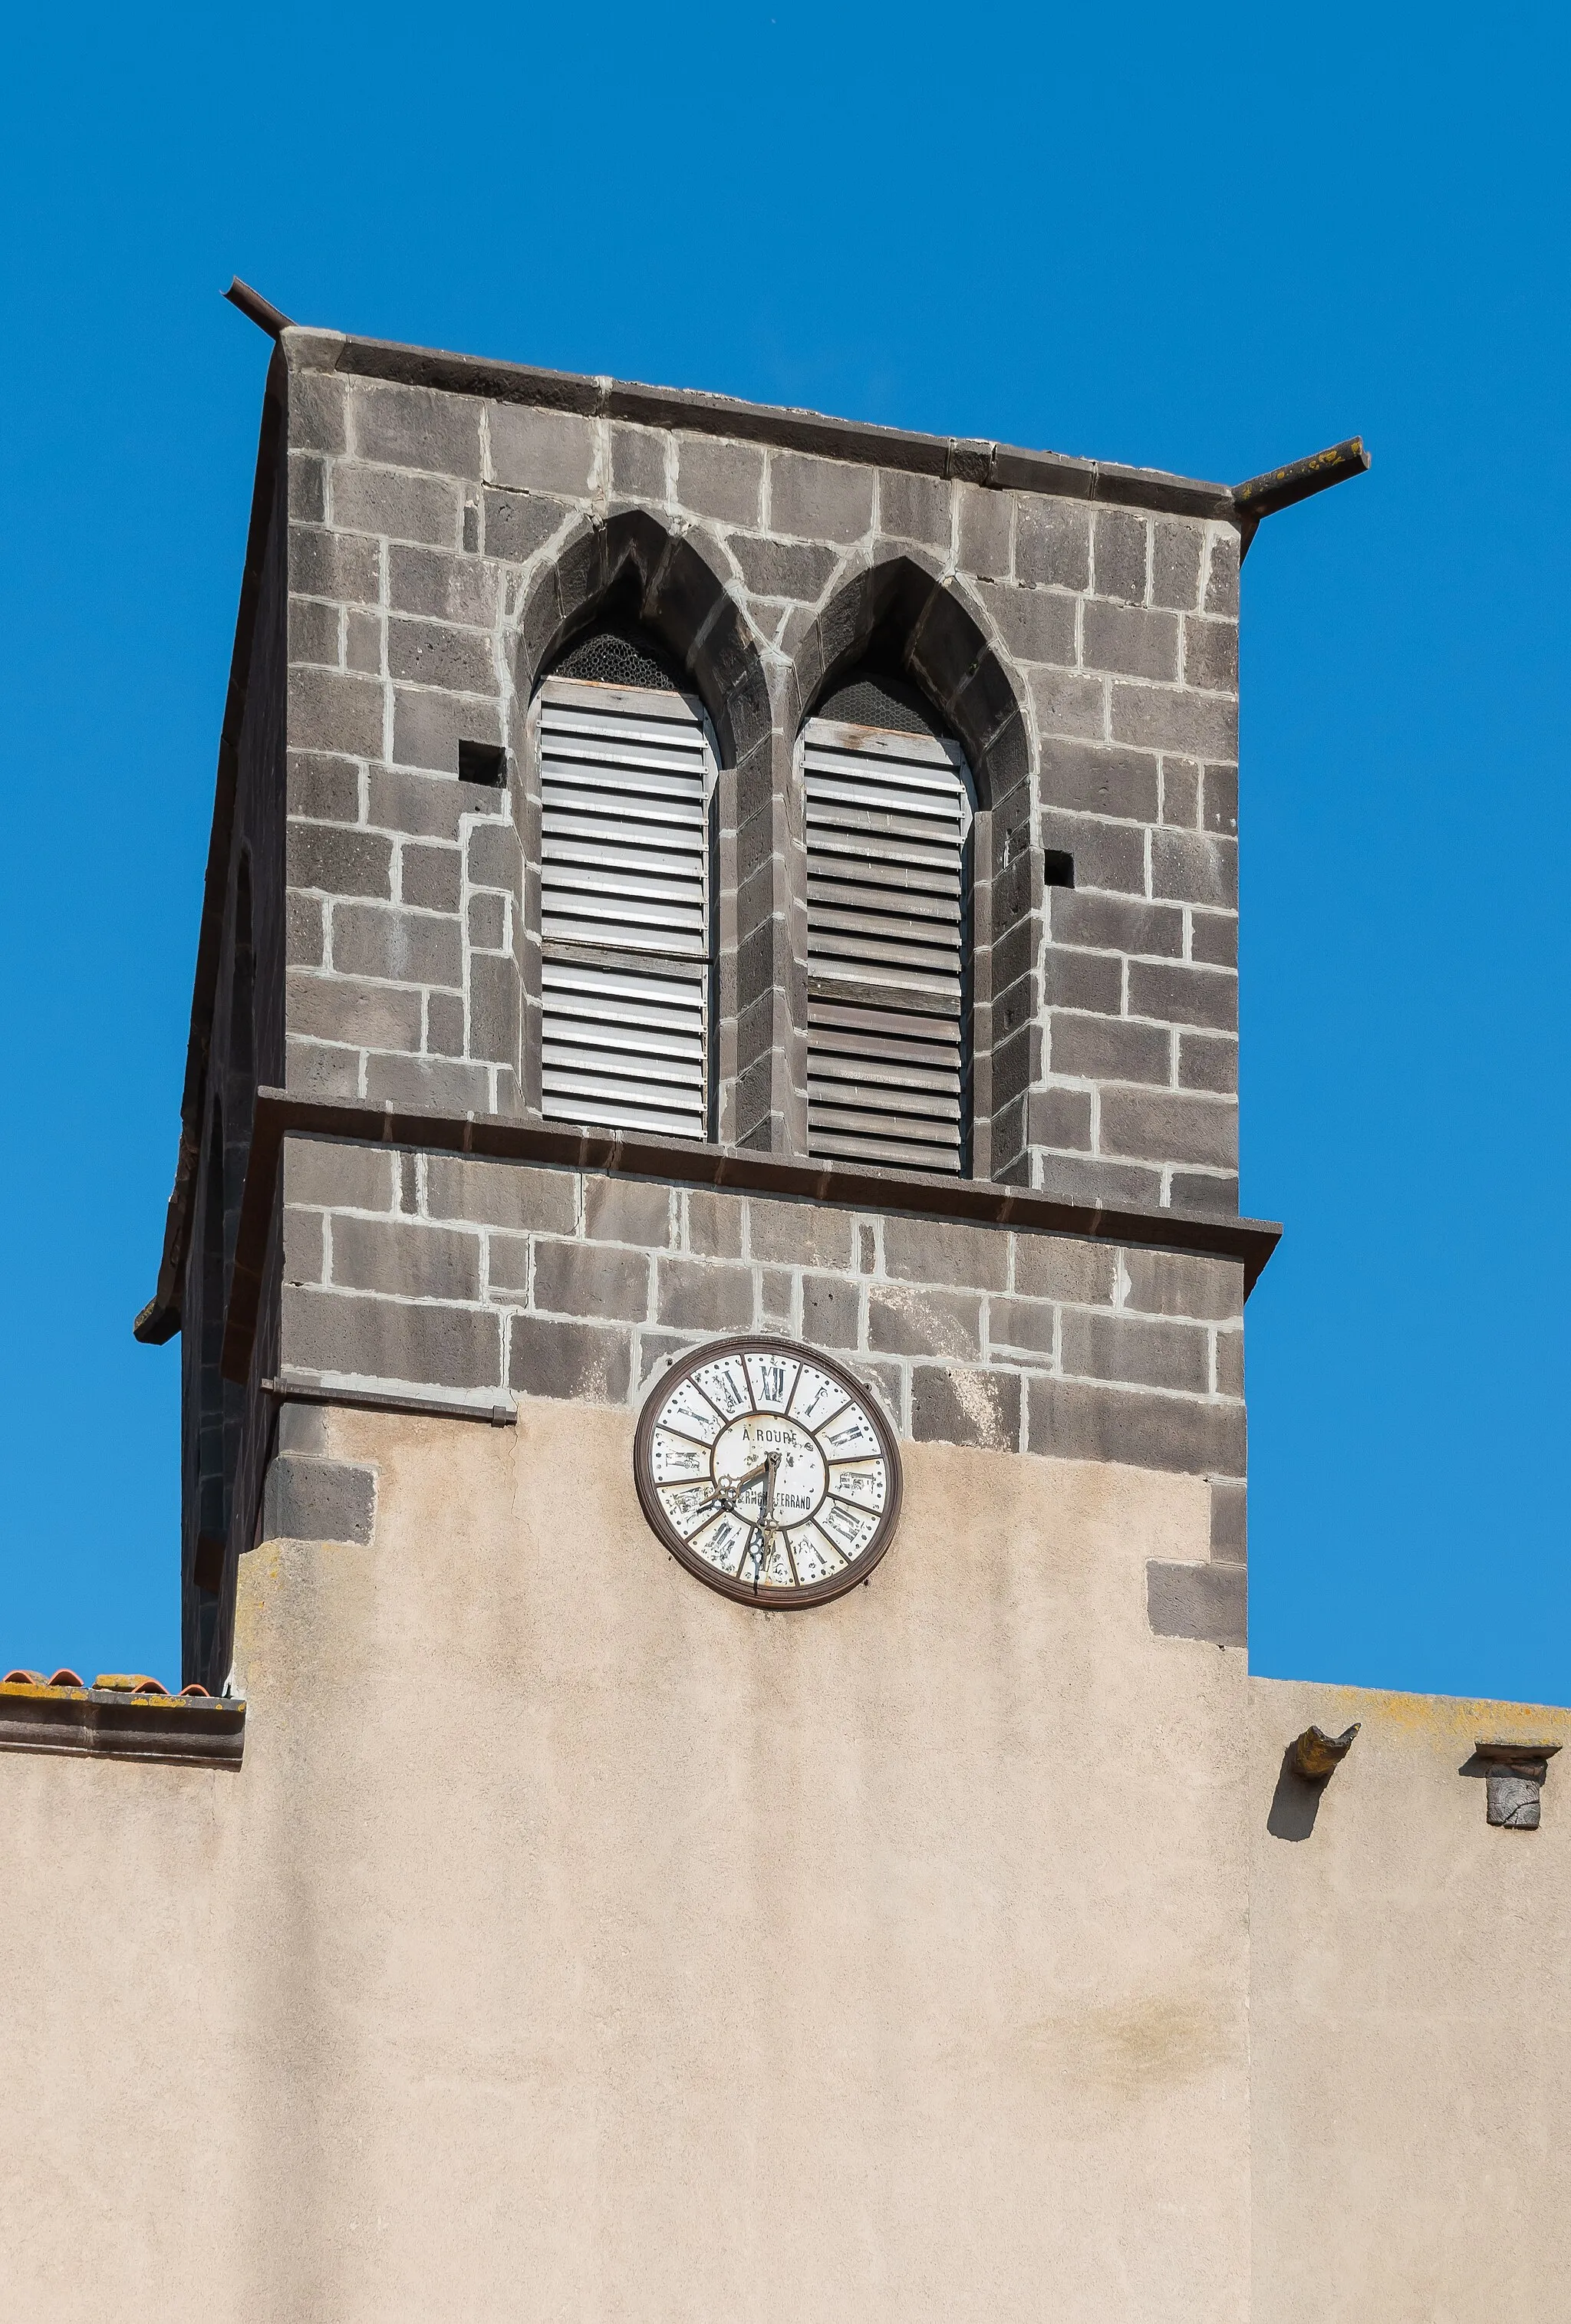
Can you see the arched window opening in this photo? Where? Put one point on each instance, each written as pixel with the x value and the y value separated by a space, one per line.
pixel 889 808
pixel 627 775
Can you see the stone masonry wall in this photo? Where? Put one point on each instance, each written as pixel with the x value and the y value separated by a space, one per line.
pixel 423 527
pixel 410 1271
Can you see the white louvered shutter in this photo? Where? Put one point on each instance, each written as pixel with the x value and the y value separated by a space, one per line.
pixel 889 987
pixel 627 781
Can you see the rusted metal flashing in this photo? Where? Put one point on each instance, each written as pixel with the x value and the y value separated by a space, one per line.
pixel 1280 488
pixel 257 309
pixel 366 1399
pixel 683 1162
pixel 118 1722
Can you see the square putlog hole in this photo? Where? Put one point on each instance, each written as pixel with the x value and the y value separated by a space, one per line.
pixel 482 762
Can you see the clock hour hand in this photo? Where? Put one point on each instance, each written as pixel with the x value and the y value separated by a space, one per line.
pixel 766 1526
pixel 728 1493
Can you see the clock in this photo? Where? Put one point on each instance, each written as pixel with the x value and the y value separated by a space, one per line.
pixel 768 1472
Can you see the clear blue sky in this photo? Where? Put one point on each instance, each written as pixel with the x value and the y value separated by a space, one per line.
pixel 1205 239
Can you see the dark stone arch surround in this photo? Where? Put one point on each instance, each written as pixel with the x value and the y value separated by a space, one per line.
pixel 904 612
pixel 671 584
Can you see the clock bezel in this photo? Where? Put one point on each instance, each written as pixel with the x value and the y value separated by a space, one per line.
pixel 769 1595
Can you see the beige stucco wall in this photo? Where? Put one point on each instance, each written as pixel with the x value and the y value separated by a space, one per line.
pixel 1411 2022
pixel 576 1942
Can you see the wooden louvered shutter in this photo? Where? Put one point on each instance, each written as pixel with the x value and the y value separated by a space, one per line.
pixel 627 781
pixel 889 985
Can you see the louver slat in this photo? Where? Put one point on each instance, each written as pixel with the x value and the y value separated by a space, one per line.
pixel 627 781
pixel 887 820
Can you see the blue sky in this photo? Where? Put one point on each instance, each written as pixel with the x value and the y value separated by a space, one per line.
pixel 1208 239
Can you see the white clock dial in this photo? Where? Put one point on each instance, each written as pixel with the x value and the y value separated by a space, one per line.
pixel 769 1471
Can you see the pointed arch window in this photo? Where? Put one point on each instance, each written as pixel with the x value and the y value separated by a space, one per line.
pixel 627 776
pixel 888 812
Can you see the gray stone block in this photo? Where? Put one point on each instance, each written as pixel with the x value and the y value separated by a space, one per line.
pixel 720 479
pixel 784 568
pixel 1169 718
pixel 1113 924
pixel 1052 545
pixel 798 1234
pixel 423 805
pixel 1206 1193
pixel 1082 979
pixel 331 1174
pixel 1229 1520
pixel 402 427
pixel 1119 555
pixel 437 653
pixel 1222 574
pixel 307 1500
pixel 1215 938
pixel 1210 655
pixel 983 528
pixel 831 1311
pixel 342 1009
pixel 443 1086
pixel 906 1319
pixel 627 1210
pixel 312 1069
pixel 519 524
pixel 1129 640
pixel 1059 1117
pixel 432 877
pixel 408 947
pixel 704 1294
pixel 335 710
pixel 446 1035
pixel 317 411
pixel 534 451
pixel 1194 868
pixel 1028 1327
pixel 952 1405
pixel 1108 1049
pixel 714 1224
pixel 1084 1420
pixel 824 500
pixel 430 583
pixel 1177 553
pixel 344 566
pixel 585 1278
pixel 494 1005
pixel 397 504
pixel 1161 1127
pixel 405 1256
pixel 1173 1283
pixel 507 1266
pixel 488 923
pixel 1139 1352
pixel 1183 995
pixel 315 633
pixel 501 1194
pixel 365 642
pixel 1058 1267
pixel 1209 1603
pixel 590 1363
pixel 1219 808
pixel 638 464
pixel 1180 793
pixel 495 857
pixel 302 1428
pixel 938 1251
pixel 427 725
pixel 658 1351
pixel 914 507
pixel 1069 704
pixel 338 861
pixel 1109 855
pixel 305 1244
pixel 307 488
pixel 1081 1178
pixel 1036 625
pixel 360 1336
pixel 1229 1380
pixel 1208 1062
pixel 775 1297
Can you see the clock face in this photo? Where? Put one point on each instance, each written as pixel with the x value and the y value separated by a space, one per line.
pixel 768 1472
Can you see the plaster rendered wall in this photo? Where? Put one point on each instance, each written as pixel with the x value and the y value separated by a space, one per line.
pixel 577 1943
pixel 1411 2020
